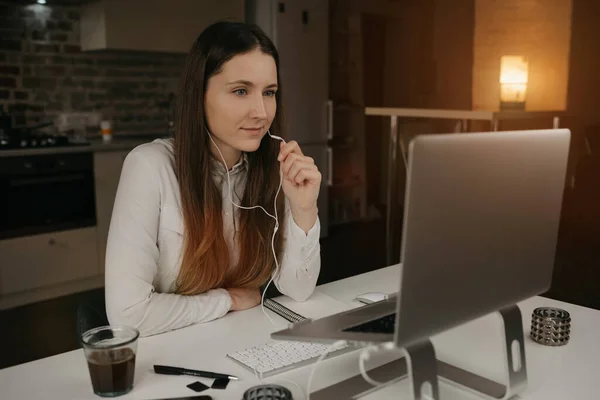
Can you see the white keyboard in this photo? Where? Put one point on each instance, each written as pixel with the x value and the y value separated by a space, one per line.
pixel 280 356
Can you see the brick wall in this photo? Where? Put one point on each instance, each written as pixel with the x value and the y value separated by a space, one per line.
pixel 43 72
pixel 537 29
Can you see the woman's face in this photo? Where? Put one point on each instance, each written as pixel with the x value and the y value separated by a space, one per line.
pixel 240 103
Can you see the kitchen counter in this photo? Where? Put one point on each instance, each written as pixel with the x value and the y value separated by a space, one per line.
pixel 118 143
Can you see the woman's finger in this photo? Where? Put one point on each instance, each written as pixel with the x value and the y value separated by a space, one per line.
pixel 291 147
pixel 311 175
pixel 297 166
pixel 289 161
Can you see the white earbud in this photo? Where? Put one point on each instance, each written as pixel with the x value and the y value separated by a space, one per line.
pixel 275 136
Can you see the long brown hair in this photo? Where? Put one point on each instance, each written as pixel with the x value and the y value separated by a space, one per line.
pixel 205 260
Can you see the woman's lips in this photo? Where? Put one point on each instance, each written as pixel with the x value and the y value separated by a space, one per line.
pixel 253 131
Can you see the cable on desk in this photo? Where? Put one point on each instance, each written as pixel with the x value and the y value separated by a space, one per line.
pixel 365 354
pixel 328 350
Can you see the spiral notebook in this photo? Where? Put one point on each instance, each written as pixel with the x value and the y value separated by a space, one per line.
pixel 283 311
pixel 317 306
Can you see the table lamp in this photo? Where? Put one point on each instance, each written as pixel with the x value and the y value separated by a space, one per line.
pixel 513 82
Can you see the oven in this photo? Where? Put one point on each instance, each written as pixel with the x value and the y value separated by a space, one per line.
pixel 46 193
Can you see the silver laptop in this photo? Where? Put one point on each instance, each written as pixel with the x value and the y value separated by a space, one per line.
pixel 481 220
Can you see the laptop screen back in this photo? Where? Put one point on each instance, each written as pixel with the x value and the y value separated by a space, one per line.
pixel 481 220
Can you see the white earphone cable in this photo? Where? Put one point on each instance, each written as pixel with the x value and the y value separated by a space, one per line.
pixel 275 217
pixel 364 356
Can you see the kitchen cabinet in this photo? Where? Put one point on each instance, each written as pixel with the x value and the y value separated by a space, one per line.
pixel 107 171
pixel 37 261
pixel 158 25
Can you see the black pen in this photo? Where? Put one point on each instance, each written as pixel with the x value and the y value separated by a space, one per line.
pixel 166 370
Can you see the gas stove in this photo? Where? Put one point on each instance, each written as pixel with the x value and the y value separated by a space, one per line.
pixel 36 141
pixel 32 137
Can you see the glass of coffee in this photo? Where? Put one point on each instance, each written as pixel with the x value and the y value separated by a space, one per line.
pixel 110 354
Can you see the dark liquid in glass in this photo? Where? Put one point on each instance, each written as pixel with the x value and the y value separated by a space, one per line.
pixel 112 370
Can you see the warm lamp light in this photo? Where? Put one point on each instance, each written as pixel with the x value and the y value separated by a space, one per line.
pixel 513 82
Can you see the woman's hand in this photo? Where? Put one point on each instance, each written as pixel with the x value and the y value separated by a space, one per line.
pixel 243 299
pixel 301 184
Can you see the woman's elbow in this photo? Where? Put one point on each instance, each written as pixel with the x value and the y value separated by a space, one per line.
pixel 301 295
pixel 301 289
pixel 118 315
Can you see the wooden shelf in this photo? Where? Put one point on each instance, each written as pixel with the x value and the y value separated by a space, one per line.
pixel 430 113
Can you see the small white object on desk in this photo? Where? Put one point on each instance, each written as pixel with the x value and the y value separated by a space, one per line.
pixel 371 297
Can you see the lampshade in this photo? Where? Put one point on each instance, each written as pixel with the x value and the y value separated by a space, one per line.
pixel 514 71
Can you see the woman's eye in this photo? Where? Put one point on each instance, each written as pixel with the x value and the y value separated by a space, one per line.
pixel 240 92
pixel 270 93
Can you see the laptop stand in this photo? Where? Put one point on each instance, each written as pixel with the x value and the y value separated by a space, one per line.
pixel 424 370
pixel 515 363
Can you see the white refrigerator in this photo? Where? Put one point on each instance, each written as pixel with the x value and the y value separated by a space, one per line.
pixel 299 29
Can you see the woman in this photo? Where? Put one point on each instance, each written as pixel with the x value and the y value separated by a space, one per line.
pixel 178 251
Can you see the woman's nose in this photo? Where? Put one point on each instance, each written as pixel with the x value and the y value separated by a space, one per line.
pixel 258 108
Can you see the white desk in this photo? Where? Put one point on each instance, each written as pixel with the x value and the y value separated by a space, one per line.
pixel 569 372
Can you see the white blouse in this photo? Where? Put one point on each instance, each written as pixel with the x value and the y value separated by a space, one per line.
pixel 145 243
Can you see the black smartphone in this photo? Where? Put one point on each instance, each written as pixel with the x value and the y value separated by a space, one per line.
pixel 201 397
